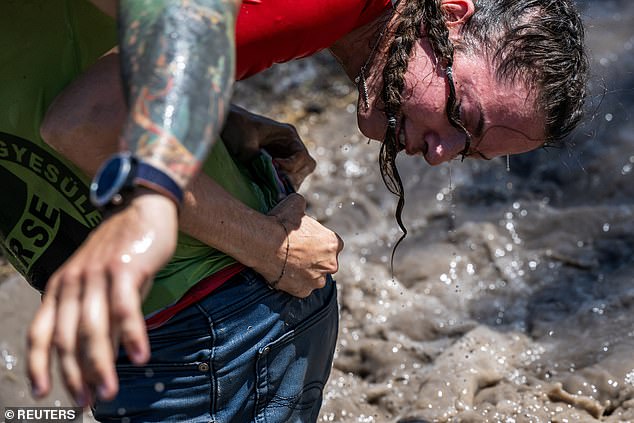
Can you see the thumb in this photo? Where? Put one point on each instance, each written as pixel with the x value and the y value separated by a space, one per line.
pixel 291 209
pixel 287 164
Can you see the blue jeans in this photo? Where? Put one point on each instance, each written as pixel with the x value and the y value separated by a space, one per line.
pixel 245 353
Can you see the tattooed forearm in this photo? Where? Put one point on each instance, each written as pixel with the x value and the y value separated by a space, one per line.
pixel 178 69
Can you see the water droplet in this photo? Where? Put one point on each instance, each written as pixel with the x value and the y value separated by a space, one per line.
pixel 9 359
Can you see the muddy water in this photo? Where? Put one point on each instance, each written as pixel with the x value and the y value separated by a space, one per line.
pixel 513 295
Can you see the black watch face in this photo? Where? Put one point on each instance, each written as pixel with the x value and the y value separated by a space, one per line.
pixel 110 180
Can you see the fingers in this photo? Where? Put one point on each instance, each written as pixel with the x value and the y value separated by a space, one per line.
pixel 299 162
pixel 39 340
pixel 128 320
pixel 82 328
pixel 313 254
pixel 110 311
pixel 65 339
pixel 313 249
pixel 302 283
pixel 81 317
pixel 95 350
pixel 297 166
pixel 95 298
pixel 340 243
pixel 290 210
pixel 74 319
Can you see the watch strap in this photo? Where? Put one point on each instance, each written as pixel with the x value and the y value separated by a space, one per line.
pixel 148 176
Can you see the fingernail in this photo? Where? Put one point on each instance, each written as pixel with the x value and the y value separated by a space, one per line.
pixel 102 392
pixel 138 356
pixel 81 400
pixel 36 391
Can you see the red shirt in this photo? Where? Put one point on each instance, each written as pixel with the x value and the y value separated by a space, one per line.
pixel 276 31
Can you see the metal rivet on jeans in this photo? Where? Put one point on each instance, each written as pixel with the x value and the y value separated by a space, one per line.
pixel 266 350
pixel 203 367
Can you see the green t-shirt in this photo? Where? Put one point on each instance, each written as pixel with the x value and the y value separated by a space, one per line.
pixel 256 187
pixel 46 213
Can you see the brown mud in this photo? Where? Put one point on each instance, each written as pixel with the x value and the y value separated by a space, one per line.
pixel 513 294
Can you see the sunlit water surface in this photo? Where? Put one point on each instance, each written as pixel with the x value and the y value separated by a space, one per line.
pixel 513 294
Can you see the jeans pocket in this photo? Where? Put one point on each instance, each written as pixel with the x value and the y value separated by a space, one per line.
pixel 292 370
pixel 159 392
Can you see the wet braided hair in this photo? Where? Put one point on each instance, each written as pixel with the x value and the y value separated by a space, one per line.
pixel 407 33
pixel 537 42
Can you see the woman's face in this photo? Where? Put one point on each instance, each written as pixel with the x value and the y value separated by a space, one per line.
pixel 501 118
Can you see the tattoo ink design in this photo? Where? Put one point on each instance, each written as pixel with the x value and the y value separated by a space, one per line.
pixel 178 66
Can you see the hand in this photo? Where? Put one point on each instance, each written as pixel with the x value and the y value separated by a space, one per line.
pixel 246 133
pixel 94 300
pixel 312 253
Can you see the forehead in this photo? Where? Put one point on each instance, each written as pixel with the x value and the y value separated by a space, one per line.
pixel 512 123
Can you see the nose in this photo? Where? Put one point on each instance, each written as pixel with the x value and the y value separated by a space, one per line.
pixel 443 148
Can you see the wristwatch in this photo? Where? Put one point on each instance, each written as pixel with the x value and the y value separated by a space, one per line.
pixel 120 174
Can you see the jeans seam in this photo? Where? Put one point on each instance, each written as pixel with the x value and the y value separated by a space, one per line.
pixel 266 401
pixel 213 391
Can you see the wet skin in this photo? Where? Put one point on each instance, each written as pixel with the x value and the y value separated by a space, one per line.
pixel 500 115
pixel 178 91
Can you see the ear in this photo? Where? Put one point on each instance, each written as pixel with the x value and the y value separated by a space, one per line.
pixel 457 12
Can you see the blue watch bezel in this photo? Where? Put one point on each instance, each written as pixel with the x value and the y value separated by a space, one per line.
pixel 123 172
pixel 113 177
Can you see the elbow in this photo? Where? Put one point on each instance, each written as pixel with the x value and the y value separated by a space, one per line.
pixel 86 134
pixel 77 120
pixel 84 122
pixel 55 129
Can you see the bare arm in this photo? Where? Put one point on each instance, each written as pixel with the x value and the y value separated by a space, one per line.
pixel 85 119
pixel 172 49
pixel 177 61
pixel 83 123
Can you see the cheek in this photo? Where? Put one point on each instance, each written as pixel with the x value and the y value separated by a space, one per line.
pixel 500 141
pixel 423 100
pixel 371 122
